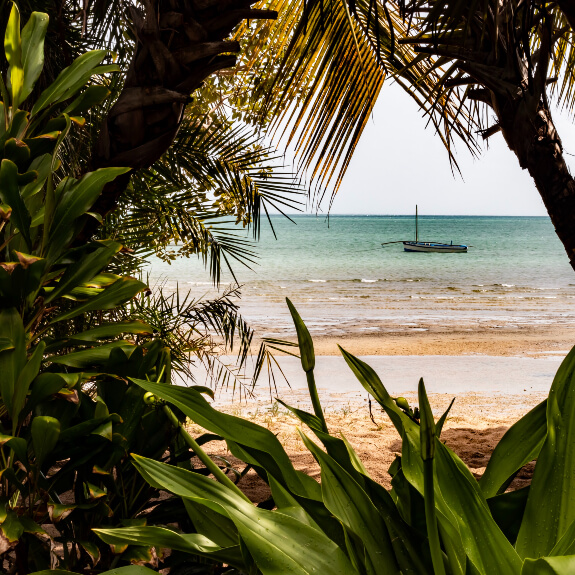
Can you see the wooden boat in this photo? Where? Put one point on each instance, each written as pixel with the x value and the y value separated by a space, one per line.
pixel 433 247
pixel 437 247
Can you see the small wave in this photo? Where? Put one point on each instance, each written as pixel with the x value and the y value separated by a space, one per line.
pixel 364 281
pixel 505 285
pixel 200 283
pixel 318 281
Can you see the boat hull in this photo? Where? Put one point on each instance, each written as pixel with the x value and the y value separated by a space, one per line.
pixel 433 247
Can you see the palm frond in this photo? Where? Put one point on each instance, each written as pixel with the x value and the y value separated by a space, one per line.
pixel 334 58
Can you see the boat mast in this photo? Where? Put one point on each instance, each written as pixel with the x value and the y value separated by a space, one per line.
pixel 416 231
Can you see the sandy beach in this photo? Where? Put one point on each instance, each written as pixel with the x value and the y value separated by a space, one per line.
pixel 526 341
pixel 525 359
pixel 476 424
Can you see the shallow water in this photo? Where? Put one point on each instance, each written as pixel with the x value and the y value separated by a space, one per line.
pixel 343 281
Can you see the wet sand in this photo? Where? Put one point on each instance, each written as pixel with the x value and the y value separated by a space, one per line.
pixel 522 341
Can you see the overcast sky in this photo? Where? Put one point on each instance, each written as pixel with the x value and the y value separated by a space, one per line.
pixel 399 163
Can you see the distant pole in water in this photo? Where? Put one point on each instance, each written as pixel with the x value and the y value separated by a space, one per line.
pixel 416 232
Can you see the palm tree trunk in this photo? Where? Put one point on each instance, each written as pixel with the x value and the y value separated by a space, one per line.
pixel 537 145
pixel 179 44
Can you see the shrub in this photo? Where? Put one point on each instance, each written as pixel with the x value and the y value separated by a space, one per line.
pixel 437 518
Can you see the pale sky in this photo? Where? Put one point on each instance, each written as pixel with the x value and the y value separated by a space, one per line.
pixel 399 163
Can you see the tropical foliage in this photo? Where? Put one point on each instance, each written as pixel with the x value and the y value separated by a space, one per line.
pixel 437 518
pixel 72 330
pixel 474 68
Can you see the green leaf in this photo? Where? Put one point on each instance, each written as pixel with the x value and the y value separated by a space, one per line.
pixel 90 97
pixel 549 566
pixel 33 35
pixel 13 358
pixel 441 421
pixel 460 503
pixel 507 509
pixel 162 538
pixel 70 80
pixel 426 426
pixel 76 198
pixel 27 375
pixel 10 194
pixel 304 339
pixel 45 433
pixel 120 291
pixel 521 444
pixel 114 330
pixel 12 529
pixel 13 51
pixel 551 503
pixel 259 444
pixel 346 499
pixel 277 542
pixel 217 527
pixel 95 356
pixel 85 268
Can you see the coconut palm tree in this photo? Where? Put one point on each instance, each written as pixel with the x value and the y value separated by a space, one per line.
pixel 464 63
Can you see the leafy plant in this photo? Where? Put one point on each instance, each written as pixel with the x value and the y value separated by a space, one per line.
pixel 71 333
pixel 437 518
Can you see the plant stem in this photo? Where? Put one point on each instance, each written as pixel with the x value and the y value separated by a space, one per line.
pixel 431 519
pixel 220 476
pixel 315 399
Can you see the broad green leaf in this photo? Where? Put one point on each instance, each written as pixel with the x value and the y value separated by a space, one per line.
pixel 13 358
pixel 45 432
pixel 12 529
pixel 85 268
pixel 551 503
pixel 90 97
pixel 549 566
pixel 76 198
pixel 277 542
pixel 114 330
pixel 33 35
pixel 42 165
pixel 217 527
pixel 120 291
pixel 70 80
pixel 346 499
pixel 270 452
pixel 27 375
pixel 507 509
pixel 13 51
pixel 95 356
pixel 520 445
pixel 10 194
pixel 162 538
pixel 565 545
pixel 459 500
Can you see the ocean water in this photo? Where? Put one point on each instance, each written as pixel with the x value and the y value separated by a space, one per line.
pixel 343 281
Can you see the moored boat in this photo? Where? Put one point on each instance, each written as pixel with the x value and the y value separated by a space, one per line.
pixel 437 247
pixel 433 247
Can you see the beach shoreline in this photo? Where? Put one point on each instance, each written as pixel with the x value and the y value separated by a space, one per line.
pixel 525 341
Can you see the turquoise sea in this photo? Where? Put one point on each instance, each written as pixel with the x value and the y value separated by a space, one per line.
pixel 342 280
